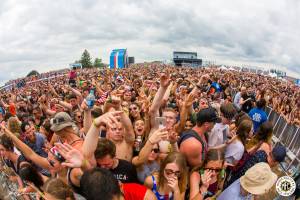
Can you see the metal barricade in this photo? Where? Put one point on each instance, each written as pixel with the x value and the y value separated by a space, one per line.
pixel 273 117
pixel 268 110
pixel 279 127
pixel 295 143
pixel 288 134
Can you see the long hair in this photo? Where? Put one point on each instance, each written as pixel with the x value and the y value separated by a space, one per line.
pixel 264 134
pixel 28 173
pixel 14 126
pixel 180 160
pixel 243 130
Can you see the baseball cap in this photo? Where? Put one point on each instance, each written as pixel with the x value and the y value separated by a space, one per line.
pixel 279 153
pixel 60 121
pixel 208 115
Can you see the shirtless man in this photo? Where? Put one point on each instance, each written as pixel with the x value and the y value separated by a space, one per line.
pixel 123 139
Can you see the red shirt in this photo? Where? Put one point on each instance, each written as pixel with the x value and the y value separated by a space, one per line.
pixel 133 191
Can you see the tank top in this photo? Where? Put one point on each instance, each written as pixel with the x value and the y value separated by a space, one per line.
pixel 169 196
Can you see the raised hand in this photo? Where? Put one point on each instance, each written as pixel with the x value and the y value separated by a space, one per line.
pixel 84 105
pixel 110 119
pixel 206 178
pixel 165 80
pixel 172 136
pixel 74 157
pixel 173 183
pixel 158 135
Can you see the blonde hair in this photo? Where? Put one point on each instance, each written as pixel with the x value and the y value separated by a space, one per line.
pixel 58 189
pixel 14 126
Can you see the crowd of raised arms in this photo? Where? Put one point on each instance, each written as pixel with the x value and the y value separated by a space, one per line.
pixel 150 131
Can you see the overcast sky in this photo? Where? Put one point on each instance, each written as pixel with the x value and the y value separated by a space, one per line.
pixel 47 34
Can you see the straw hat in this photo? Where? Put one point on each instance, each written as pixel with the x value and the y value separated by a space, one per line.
pixel 258 179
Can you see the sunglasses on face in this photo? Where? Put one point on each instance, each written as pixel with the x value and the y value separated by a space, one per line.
pixel 155 150
pixel 79 116
pixel 171 172
pixel 133 108
pixel 51 162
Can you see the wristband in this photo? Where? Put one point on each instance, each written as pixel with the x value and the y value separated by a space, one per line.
pixel 94 123
pixel 84 163
pixel 151 142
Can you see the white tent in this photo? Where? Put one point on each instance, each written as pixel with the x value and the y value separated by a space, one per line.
pixel 273 75
pixel 223 67
pixel 232 69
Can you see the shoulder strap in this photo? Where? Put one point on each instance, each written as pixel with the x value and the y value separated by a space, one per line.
pixel 195 134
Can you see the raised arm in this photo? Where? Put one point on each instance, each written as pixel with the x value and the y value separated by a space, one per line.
pixel 87 117
pixel 158 98
pixel 155 138
pixel 27 151
pixel 184 112
pixel 91 139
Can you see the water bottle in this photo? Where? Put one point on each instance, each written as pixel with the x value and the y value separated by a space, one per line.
pixel 139 143
pixel 90 99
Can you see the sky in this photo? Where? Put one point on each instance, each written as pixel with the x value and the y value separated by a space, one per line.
pixel 44 35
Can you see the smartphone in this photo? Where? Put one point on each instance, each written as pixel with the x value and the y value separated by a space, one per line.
pixel 160 122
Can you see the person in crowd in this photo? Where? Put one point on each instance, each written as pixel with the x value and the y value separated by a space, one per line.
pixel 208 180
pixel 236 147
pixel 276 156
pixel 244 188
pixel 258 115
pixel 99 182
pixel 14 126
pixel 148 160
pixel 62 126
pixel 193 143
pixel 171 180
pixel 220 132
pixel 35 140
pixel 238 97
pixel 11 158
pixel 56 189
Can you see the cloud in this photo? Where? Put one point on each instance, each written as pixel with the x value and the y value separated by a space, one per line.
pixel 45 35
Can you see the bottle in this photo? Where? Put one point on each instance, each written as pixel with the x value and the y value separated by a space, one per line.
pixel 90 99
pixel 139 143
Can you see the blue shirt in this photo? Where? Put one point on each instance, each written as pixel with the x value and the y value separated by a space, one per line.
pixel 258 117
pixel 216 86
pixel 38 146
pixel 233 192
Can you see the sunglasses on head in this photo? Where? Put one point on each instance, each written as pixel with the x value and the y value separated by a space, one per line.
pixel 57 120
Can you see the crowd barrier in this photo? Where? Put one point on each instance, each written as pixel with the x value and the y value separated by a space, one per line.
pixel 287 135
pixel 9 189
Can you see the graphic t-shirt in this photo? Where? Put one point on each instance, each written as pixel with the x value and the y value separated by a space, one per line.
pixel 258 117
pixel 125 172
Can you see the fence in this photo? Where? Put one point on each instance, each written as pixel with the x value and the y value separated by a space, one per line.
pixel 287 135
pixel 8 188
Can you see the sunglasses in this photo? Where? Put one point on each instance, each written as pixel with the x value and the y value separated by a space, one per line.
pixel 133 108
pixel 51 162
pixel 156 150
pixel 57 121
pixel 171 172
pixel 79 116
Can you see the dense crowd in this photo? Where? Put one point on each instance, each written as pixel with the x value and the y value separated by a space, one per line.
pixel 145 132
